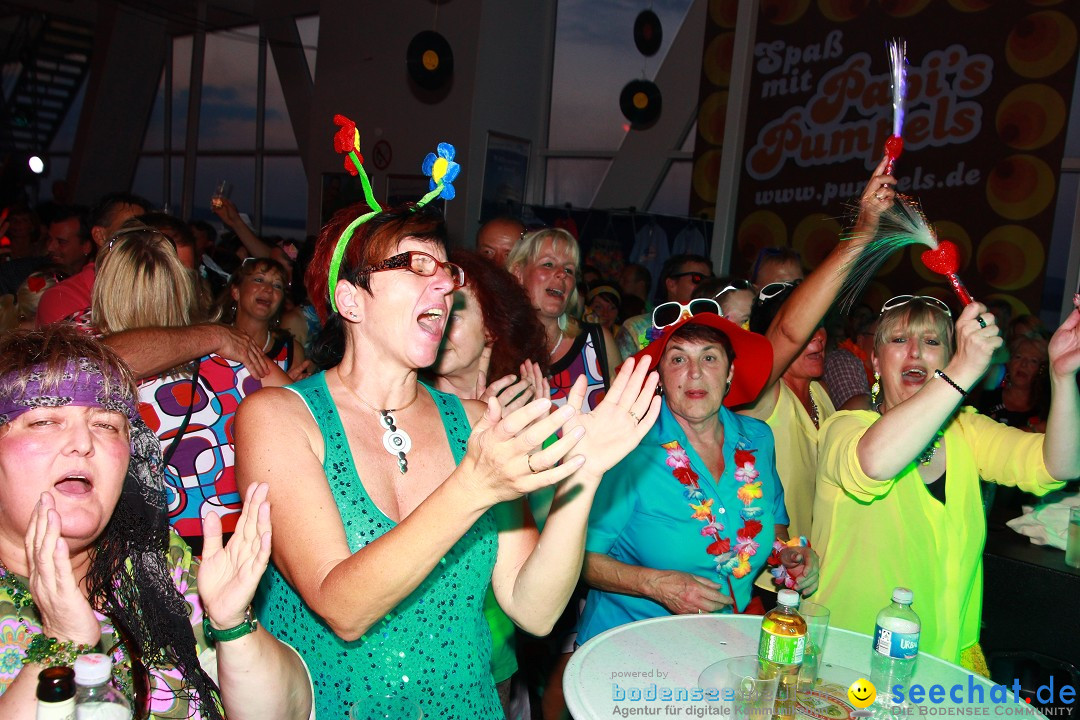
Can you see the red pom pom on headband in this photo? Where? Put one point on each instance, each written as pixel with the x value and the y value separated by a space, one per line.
pixel 347 140
pixel 440 168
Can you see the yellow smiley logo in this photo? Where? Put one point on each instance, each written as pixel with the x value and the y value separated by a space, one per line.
pixel 862 693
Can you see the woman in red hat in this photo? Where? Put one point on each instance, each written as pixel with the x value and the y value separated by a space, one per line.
pixel 689 518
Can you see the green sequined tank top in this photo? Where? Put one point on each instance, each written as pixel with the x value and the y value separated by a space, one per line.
pixel 434 648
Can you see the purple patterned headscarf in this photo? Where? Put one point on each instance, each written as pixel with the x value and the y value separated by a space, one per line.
pixel 81 384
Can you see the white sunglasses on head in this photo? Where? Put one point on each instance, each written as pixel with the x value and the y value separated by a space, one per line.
pixel 670 313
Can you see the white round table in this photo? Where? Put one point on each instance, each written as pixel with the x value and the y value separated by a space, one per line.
pixel 671 652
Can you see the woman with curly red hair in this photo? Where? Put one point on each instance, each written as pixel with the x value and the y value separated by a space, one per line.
pixel 493 332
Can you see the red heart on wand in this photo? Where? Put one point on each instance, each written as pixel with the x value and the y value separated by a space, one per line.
pixel 944 260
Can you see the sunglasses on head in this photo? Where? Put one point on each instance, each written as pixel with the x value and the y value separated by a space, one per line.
pixel 670 313
pixel 775 288
pixel 900 300
pixel 740 285
pixel 419 263
pixel 139 229
pixel 695 277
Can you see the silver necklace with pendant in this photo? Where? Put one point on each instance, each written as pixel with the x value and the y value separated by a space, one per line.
pixel 395 440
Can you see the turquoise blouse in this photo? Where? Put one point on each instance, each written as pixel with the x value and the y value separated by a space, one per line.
pixel 644 515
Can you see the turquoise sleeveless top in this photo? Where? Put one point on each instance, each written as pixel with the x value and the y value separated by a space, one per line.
pixel 434 648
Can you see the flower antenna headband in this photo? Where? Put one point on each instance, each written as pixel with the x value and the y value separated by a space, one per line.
pixel 439 166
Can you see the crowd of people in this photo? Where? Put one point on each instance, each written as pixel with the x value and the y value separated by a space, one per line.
pixel 477 460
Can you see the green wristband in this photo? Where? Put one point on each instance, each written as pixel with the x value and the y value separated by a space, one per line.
pixel 213 636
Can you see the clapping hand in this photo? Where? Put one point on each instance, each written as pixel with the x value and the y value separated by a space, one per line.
pixel 63 608
pixel 620 421
pixel 228 576
pixel 504 458
pixel 514 391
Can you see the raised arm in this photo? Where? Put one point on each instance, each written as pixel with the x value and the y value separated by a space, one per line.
pixel 229 215
pixel 800 315
pixel 1061 448
pixel 353 591
pixel 260 678
pixel 893 441
pixel 152 351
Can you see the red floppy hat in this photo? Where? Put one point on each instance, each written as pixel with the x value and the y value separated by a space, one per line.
pixel 753 355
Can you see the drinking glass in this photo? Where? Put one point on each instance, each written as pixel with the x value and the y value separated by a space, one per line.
pixel 1072 542
pixel 221 191
pixel 817 625
pixel 388 707
pixel 755 696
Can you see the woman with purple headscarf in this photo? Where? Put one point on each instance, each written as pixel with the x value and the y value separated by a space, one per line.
pixel 88 563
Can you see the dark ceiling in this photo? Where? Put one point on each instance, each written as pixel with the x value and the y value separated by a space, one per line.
pixel 181 17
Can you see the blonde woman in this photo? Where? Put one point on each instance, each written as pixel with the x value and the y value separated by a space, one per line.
pixel 898 500
pixel 546 263
pixel 145 284
pixel 142 283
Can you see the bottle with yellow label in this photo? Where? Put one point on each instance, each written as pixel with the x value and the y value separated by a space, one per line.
pixel 780 650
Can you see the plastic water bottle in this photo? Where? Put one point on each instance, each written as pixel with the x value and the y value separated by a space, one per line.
pixel 781 649
pixel 896 647
pixel 95 698
pixel 56 694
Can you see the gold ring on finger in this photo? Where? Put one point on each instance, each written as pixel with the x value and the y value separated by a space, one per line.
pixel 528 459
pixel 637 418
pixel 879 196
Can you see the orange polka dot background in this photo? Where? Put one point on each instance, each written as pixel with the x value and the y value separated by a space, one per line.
pixel 990 86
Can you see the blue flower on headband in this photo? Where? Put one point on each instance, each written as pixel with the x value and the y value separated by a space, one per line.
pixel 442 169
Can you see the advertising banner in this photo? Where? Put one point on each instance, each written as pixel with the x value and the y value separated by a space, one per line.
pixel 989 87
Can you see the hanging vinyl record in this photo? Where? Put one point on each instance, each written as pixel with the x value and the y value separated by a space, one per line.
pixel 648 33
pixel 640 103
pixel 429 60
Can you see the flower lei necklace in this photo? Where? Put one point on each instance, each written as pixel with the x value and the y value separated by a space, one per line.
pixel 728 562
